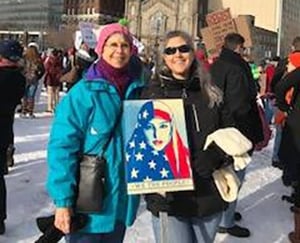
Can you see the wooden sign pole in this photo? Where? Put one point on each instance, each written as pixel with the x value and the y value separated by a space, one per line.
pixel 163 220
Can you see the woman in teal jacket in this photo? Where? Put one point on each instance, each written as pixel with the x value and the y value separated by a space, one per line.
pixel 83 122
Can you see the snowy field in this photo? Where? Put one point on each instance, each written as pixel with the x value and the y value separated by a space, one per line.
pixel 266 215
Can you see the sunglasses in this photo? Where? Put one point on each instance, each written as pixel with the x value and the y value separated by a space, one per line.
pixel 181 49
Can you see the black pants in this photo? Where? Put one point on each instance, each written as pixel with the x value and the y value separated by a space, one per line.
pixel 2 184
pixel 6 138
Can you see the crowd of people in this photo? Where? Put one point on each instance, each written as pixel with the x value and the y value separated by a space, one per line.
pixel 227 99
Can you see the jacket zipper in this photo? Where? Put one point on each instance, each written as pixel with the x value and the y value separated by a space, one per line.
pixel 196 118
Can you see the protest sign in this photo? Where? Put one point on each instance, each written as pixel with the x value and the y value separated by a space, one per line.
pixel 243 28
pixel 220 23
pixel 157 159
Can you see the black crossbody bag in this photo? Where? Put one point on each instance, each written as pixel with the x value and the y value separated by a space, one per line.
pixel 91 180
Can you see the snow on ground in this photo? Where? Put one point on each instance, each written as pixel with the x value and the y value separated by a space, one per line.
pixel 266 215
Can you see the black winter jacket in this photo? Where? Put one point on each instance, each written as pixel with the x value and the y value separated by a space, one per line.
pixel 12 86
pixel 200 122
pixel 289 151
pixel 233 76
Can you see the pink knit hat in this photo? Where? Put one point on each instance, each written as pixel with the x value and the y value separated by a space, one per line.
pixel 107 31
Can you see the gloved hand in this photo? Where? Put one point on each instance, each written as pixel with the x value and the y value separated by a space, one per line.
pixel 157 203
pixel 51 233
pixel 211 159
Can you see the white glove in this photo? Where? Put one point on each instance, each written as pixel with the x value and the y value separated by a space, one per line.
pixel 233 143
pixel 227 183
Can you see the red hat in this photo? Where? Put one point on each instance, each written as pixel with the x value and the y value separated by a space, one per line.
pixel 294 59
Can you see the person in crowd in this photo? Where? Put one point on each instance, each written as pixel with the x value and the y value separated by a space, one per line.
pixel 147 64
pixel 84 120
pixel 280 71
pixel 12 87
pixel 193 216
pixel 53 69
pixel 232 74
pixel 281 66
pixel 288 100
pixel 286 94
pixel 82 60
pixel 202 57
pixel 33 71
pixel 163 144
pixel 254 70
pixel 268 97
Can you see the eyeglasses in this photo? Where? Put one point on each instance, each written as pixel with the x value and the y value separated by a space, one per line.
pixel 181 49
pixel 114 46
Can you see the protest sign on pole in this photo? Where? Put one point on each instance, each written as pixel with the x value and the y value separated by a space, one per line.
pixel 88 35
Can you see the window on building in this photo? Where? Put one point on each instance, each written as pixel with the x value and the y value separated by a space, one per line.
pixel 158 23
pixel 132 10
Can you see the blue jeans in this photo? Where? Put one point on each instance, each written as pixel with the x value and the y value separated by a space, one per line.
pixel 228 215
pixel 189 230
pixel 30 90
pixel 269 110
pixel 277 142
pixel 116 236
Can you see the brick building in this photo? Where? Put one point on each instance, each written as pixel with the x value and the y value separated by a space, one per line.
pixel 95 11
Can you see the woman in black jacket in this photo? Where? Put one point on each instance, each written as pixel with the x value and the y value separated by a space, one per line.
pixel 12 87
pixel 288 100
pixel 193 216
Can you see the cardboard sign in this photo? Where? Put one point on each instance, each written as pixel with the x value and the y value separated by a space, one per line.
pixel 220 23
pixel 244 29
pixel 157 158
pixel 208 38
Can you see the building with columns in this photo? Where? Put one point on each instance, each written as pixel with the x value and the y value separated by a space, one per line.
pixel 151 19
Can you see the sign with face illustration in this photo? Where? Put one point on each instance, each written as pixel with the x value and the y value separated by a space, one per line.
pixel 156 153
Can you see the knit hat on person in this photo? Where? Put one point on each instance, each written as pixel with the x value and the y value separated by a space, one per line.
pixel 11 50
pixel 294 58
pixel 109 30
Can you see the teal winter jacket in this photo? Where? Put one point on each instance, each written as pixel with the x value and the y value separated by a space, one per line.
pixel 83 122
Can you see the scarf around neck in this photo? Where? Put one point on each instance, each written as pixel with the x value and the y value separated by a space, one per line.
pixel 119 77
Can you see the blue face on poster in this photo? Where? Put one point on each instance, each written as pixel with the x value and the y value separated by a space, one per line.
pixel 158 133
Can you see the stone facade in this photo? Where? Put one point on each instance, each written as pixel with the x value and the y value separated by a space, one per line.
pixel 151 19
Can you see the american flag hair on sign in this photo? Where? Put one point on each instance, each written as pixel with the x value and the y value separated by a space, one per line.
pixel 156 153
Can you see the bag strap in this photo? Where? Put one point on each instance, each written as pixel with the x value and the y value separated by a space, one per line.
pixel 111 134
